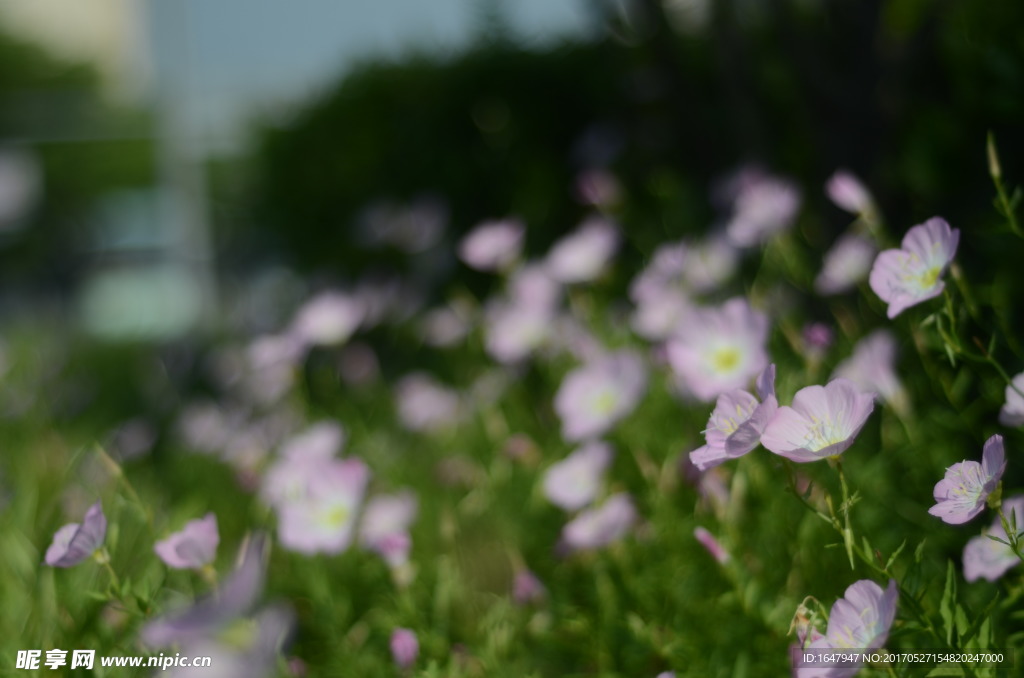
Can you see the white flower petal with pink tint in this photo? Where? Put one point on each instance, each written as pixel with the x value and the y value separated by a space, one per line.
pixel 846 264
pixel 322 440
pixel 513 331
pixel 848 193
pixel 719 349
pixel 601 525
pixel 75 542
pixel 575 481
pixel 711 544
pixel 986 558
pixel 192 547
pixel 764 206
pixel 737 423
pixel 593 398
pixel 328 318
pixel 324 520
pixel 913 273
pixel 823 422
pixel 872 367
pixel 493 245
pixel 962 493
pixel 583 255
pixel 385 525
pixel 1012 412
pixel 424 404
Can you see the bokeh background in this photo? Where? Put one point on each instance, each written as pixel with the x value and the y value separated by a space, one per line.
pixel 176 175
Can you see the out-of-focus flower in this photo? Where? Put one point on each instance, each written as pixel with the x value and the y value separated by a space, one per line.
pixel 582 255
pixel 872 367
pixel 327 319
pixel 817 338
pixel 445 326
pixel 358 364
pixel 322 440
pixel 737 423
pixel 709 542
pixel 247 649
pixel 405 647
pixel 527 588
pixel 823 422
pixel 514 331
pixel 962 493
pixel 846 264
pixel 424 404
pixel 532 286
pixel 658 315
pixel 598 187
pixel 193 547
pixel 986 558
pixel 1012 412
pixel 575 481
pixel 75 542
pixel 860 620
pixel 763 206
pixel 710 263
pixel 493 245
pixel 848 193
pixel 594 397
pixel 323 520
pixel 601 525
pixel 912 274
pixel 719 349
pixel 237 595
pixel 384 528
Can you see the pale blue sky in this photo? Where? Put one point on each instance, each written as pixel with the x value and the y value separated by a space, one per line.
pixel 235 58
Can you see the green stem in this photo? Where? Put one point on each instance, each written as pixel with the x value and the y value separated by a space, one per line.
pixel 845 507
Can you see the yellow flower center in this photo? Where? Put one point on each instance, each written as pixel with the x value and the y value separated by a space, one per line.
pixel 725 359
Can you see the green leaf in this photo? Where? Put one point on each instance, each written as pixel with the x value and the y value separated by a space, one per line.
pixel 895 555
pixel 946 670
pixel 946 607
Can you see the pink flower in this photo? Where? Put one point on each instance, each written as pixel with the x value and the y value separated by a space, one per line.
pixel 582 255
pixel 593 398
pixel 323 519
pixel 405 647
pixel 75 542
pixel 515 330
pixel 328 318
pixel 193 547
pixel 860 620
pixel 719 349
pixel 986 558
pixel 913 273
pixel 1012 412
pixel 385 524
pixel 601 525
pixel 320 441
pixel 823 422
pixel 708 541
pixel 424 404
pixel 527 588
pixel 764 205
pixel 846 264
pixel 849 194
pixel 961 495
pixel 872 367
pixel 493 245
pixel 737 423
pixel 575 481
